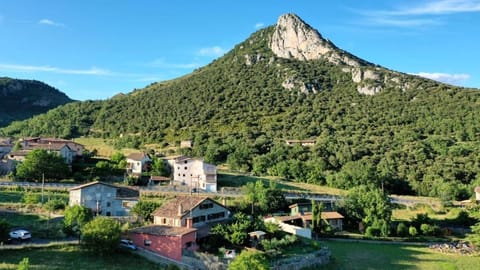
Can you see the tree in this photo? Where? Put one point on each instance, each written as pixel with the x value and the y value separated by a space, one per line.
pixel 40 163
pixel 101 235
pixel 24 264
pixel 317 216
pixel 237 231
pixel 75 218
pixel 249 260
pixel 4 230
pixel 369 205
pixel 144 209
pixel 159 167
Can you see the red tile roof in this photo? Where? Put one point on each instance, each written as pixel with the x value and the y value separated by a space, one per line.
pixel 163 230
pixel 171 208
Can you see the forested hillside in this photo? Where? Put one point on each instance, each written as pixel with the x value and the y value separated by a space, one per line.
pixel 22 99
pixel 422 139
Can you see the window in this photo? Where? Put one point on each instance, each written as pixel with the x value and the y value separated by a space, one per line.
pixel 147 242
pixel 206 205
pixel 186 161
pixel 164 221
pixel 198 219
pixel 216 215
pixel 183 175
pixel 109 214
pixel 188 244
pixel 186 168
pixel 109 204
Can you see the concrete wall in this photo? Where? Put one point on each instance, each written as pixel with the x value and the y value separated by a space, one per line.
pixel 303 232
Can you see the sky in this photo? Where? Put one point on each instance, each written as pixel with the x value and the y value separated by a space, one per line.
pixel 96 49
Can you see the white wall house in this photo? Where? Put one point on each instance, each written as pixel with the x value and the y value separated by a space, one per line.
pixel 104 199
pixel 194 172
pixel 138 163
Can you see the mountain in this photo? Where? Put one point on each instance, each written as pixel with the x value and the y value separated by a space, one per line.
pixel 371 125
pixel 22 99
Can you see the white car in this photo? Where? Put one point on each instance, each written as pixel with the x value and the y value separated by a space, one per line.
pixel 20 235
pixel 128 244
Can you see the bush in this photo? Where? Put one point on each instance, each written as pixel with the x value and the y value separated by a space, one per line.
pixel 31 198
pixel 430 230
pixel 412 231
pixel 372 231
pixel 402 229
pixel 101 235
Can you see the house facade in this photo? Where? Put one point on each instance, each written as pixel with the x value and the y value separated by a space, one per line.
pixel 104 199
pixel 165 240
pixel 194 172
pixel 477 194
pixel 138 163
pixel 202 212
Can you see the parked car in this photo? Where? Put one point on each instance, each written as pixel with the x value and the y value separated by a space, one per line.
pixel 127 244
pixel 20 234
pixel 230 254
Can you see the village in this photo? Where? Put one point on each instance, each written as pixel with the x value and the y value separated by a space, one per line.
pixel 185 220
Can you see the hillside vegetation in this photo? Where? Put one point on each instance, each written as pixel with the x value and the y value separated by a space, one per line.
pixel 422 140
pixel 22 99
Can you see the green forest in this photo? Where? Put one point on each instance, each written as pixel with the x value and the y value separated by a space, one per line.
pixel 423 140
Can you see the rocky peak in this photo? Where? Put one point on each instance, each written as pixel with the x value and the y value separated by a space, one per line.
pixel 293 38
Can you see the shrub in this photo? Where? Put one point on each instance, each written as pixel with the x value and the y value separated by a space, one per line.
pixel 372 231
pixel 402 229
pixel 412 231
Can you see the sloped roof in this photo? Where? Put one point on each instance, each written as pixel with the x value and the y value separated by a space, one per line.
pixel 171 208
pixel 47 146
pixel 122 192
pixel 163 230
pixel 137 156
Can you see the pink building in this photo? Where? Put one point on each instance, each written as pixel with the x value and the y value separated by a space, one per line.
pixel 164 240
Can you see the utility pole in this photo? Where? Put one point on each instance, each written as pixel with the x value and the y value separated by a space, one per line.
pixel 43 184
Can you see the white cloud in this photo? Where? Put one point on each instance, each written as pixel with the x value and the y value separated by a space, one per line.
pixel 455 79
pixel 211 51
pixel 259 25
pixel 440 7
pixel 50 23
pixel 26 68
pixel 423 13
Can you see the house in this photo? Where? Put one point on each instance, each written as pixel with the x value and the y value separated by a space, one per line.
pixel 194 172
pixel 159 180
pixel 62 149
pixel 477 194
pixel 203 212
pixel 301 142
pixel 104 199
pixel 186 144
pixel 166 241
pixel 138 163
pixel 5 148
pixel 76 148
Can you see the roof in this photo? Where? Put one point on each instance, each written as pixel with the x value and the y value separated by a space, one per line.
pixel 122 192
pixel 159 178
pixel 47 146
pixel 92 184
pixel 171 208
pixel 163 230
pixel 138 156
pixel 331 215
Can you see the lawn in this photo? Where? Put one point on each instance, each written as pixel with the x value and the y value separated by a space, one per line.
pixel 72 257
pixel 352 255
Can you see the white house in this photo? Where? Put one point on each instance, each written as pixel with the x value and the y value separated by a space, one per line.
pixel 104 199
pixel 138 163
pixel 194 172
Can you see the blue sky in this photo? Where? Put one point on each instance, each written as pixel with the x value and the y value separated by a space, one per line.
pixel 96 49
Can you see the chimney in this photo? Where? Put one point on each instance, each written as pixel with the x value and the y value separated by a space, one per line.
pixel 180 210
pixel 189 222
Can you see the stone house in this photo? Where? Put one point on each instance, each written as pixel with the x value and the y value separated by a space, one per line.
pixel 202 212
pixel 104 199
pixel 194 172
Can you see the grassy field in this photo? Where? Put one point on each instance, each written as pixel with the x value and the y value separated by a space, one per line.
pixel 103 146
pixel 72 257
pixel 353 256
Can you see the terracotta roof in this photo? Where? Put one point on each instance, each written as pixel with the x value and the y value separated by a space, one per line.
pixel 159 178
pixel 137 156
pixel 163 230
pixel 171 208
pixel 331 215
pixel 287 218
